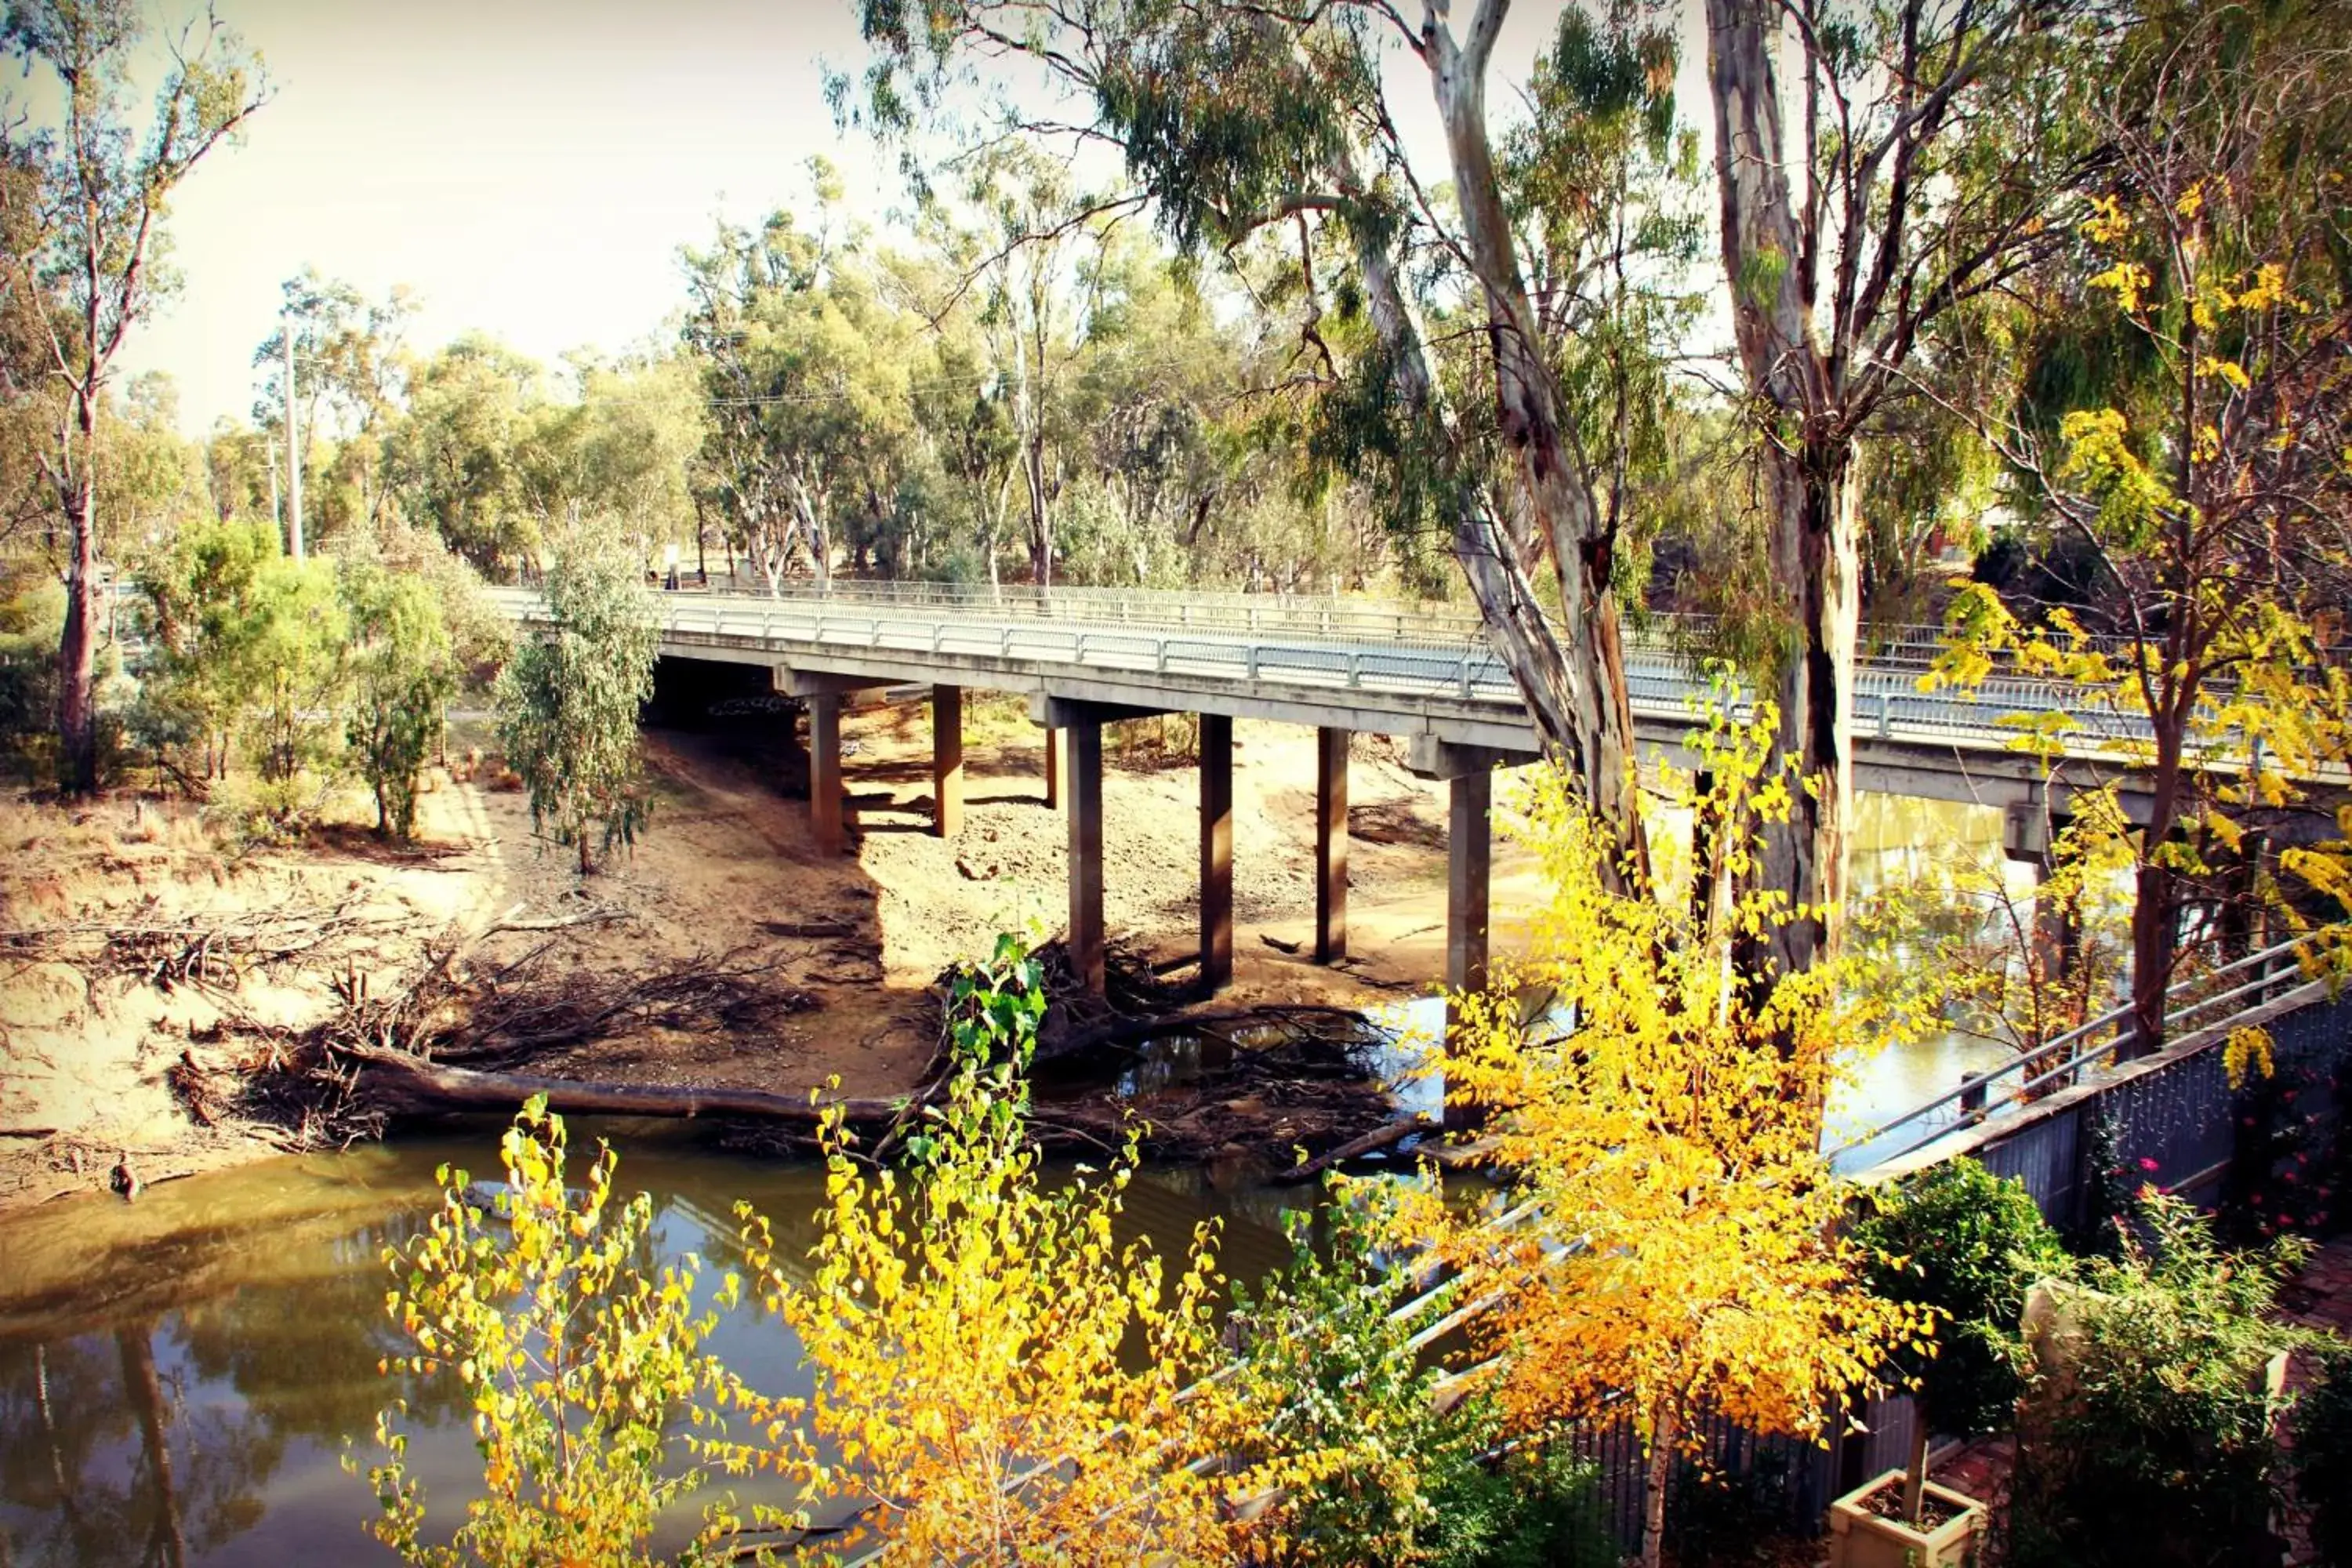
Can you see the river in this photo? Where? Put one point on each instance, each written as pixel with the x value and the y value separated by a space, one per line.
pixel 177 1377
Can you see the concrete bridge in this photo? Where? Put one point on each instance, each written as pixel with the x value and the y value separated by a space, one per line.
pixel 1086 657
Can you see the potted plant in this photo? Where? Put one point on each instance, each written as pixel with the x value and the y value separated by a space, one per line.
pixel 1960 1241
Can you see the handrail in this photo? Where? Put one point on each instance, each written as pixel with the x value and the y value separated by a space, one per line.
pixel 1909 646
pixel 1321 647
pixel 2072 1051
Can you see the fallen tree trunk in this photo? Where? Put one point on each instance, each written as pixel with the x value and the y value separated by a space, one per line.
pixel 1355 1148
pixel 411 1083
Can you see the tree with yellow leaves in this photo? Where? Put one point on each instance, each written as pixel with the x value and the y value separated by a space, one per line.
pixel 998 1379
pixel 2185 426
pixel 576 1356
pixel 1684 1250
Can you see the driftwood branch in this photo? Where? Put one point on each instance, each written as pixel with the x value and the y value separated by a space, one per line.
pixel 1354 1149
pixel 411 1083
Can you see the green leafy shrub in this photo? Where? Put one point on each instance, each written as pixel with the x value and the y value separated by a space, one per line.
pixel 2152 1442
pixel 567 701
pixel 32 618
pixel 1963 1243
pixel 403 669
pixel 1335 1380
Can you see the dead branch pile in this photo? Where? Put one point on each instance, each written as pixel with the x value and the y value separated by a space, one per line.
pixel 214 952
pixel 458 1037
pixel 337 1082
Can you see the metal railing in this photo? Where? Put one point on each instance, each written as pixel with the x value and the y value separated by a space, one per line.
pixel 1913 645
pixel 1311 647
pixel 2082 1051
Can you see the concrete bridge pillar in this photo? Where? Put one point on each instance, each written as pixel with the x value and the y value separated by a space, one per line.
pixel 1468 859
pixel 1216 852
pixel 947 761
pixel 825 770
pixel 1053 768
pixel 1330 844
pixel 2027 833
pixel 1086 808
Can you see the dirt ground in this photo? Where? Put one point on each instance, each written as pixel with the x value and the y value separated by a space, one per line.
pixel 91 1030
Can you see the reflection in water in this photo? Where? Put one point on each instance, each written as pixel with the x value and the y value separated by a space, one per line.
pixel 177 1377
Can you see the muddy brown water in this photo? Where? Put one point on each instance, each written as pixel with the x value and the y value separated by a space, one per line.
pixel 178 1376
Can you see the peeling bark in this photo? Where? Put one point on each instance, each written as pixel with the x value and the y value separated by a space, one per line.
pixel 1808 456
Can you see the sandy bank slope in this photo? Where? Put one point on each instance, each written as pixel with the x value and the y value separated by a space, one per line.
pixel 92 1022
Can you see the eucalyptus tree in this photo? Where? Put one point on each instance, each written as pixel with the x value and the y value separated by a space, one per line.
pixel 1923 158
pixel 959 407
pixel 805 366
pixel 1152 400
pixel 1039 285
pixel 85 232
pixel 1242 122
pixel 569 696
pixel 464 456
pixel 352 363
pixel 632 444
pixel 403 668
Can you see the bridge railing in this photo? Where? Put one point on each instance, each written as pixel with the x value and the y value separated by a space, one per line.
pixel 1912 645
pixel 1292 646
pixel 2200 1002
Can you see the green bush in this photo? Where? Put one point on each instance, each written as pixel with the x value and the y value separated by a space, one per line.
pixel 1398 1481
pixel 1968 1245
pixel 2323 1455
pixel 2153 1446
pixel 1518 1511
pixel 32 618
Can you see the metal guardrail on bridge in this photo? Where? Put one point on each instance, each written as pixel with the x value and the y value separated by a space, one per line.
pixel 1309 646
pixel 2218 999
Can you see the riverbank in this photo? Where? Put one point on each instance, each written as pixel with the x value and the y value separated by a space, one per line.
pixel 153 953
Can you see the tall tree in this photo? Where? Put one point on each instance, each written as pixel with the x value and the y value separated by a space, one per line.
pixel 2186 421
pixel 465 455
pixel 1238 120
pixel 1932 144
pixel 93 233
pixel 568 700
pixel 350 364
pixel 806 365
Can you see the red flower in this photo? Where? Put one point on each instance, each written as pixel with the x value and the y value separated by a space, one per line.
pixel 2145 1163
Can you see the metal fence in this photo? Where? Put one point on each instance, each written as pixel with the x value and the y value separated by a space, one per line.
pixel 2171 1117
pixel 1322 647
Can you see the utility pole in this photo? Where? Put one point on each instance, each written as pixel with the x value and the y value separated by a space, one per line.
pixel 293 452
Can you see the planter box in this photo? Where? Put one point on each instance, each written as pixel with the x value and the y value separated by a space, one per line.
pixel 1860 1538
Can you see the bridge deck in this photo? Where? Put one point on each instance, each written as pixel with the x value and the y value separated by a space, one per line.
pixel 1345 665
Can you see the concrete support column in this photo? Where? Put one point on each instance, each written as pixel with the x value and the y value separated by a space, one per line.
pixel 1468 856
pixel 825 770
pixel 1086 854
pixel 1216 852
pixel 2028 835
pixel 947 761
pixel 1330 844
pixel 1053 768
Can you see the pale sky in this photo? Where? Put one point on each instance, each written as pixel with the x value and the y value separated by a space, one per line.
pixel 531 167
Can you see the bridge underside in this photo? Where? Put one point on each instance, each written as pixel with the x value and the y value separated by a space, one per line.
pixel 1452 739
